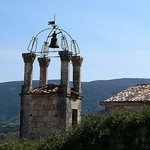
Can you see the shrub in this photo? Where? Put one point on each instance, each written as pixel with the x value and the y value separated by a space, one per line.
pixel 95 132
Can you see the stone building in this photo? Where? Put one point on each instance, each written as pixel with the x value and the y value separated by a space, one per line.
pixel 133 99
pixel 50 107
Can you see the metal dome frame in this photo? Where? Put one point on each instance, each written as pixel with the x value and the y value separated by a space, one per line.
pixel 73 44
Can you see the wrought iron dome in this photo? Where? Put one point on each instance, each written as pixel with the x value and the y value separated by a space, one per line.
pixel 47 48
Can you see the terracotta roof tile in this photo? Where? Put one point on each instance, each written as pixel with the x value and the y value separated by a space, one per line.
pixel 139 92
pixel 49 88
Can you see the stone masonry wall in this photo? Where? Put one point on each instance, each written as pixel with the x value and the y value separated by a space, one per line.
pixel 140 141
pixel 77 105
pixel 110 108
pixel 46 114
pixel 72 104
pixel 24 117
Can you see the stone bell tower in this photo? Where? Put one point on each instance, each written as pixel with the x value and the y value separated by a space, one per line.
pixel 50 107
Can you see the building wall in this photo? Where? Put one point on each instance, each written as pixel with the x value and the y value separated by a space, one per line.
pixel 24 115
pixel 72 105
pixel 77 104
pixel 42 114
pixel 46 112
pixel 122 107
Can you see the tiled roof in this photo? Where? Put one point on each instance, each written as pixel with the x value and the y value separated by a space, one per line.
pixel 49 88
pixel 139 92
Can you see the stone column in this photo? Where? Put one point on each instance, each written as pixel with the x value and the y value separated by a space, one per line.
pixel 65 57
pixel 44 63
pixel 77 61
pixel 28 71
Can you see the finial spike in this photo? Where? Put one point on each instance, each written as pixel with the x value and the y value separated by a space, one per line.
pixel 54 17
pixel 52 22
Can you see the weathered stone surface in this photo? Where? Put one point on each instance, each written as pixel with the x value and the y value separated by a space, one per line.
pixel 77 61
pixel 39 125
pixel 44 63
pixel 51 113
pixel 34 113
pixel 35 130
pixel 110 108
pixel 30 118
pixel 37 102
pixel 28 60
pixel 46 119
pixel 37 107
pixel 46 101
pixel 32 125
pixel 52 107
pixel 37 119
pixel 46 107
pixel 65 55
pixel 43 113
pixel 24 117
pixel 28 57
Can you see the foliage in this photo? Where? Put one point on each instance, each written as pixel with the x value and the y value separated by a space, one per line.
pixel 95 132
pixel 9 128
pixel 19 145
pixel 9 132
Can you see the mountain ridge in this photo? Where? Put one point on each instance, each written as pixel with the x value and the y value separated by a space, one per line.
pixel 93 92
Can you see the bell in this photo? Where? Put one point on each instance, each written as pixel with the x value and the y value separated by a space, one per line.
pixel 54 43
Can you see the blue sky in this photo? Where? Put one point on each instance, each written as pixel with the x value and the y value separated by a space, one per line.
pixel 113 36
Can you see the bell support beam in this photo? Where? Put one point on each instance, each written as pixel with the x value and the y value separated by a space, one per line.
pixel 44 63
pixel 77 62
pixel 28 71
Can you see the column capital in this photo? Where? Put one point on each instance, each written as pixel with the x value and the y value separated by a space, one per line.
pixel 28 57
pixel 65 55
pixel 44 62
pixel 77 60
